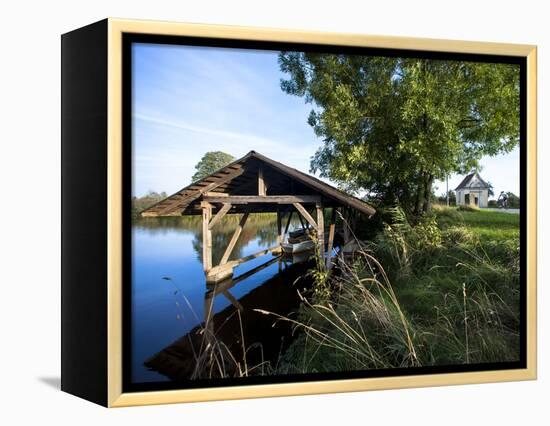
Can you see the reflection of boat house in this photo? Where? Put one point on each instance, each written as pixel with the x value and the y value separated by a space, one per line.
pixel 188 356
pixel 253 184
pixel 472 191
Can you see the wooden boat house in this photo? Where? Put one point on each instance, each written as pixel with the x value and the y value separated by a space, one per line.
pixel 252 184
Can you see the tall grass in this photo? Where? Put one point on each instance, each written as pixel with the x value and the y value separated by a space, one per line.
pixel 362 325
pixel 212 357
pixel 434 293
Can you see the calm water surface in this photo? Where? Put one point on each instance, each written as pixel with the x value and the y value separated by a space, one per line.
pixel 168 282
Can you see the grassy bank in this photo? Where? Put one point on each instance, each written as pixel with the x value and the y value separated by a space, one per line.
pixel 445 291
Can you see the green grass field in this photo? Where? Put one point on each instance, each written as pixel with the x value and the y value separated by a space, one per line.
pixel 492 225
pixel 445 291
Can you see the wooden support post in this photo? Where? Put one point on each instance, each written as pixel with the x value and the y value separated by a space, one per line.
pixel 263 199
pixel 234 239
pixel 321 230
pixel 221 213
pixel 331 238
pixel 261 182
pixel 206 236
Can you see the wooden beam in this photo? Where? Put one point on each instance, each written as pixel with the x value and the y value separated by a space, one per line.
pixel 216 194
pixel 254 256
pixel 234 239
pixel 305 214
pixel 206 237
pixel 331 238
pixel 321 231
pixel 232 263
pixel 261 182
pixel 217 275
pixel 228 284
pixel 221 213
pixel 273 199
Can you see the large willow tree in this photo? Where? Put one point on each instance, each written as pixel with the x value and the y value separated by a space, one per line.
pixel 391 126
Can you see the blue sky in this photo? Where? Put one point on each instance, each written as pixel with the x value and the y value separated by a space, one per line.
pixel 191 100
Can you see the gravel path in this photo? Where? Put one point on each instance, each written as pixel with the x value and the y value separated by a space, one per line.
pixel 511 211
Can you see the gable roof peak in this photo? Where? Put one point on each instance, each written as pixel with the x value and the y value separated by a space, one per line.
pixel 472 180
pixel 178 202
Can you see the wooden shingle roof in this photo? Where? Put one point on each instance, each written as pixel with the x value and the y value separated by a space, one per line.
pixel 240 178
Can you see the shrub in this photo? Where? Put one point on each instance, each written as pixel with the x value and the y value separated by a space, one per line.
pixel 467 209
pixel 458 235
pixel 400 242
pixel 447 216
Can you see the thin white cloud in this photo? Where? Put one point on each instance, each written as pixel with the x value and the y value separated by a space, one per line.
pixel 258 141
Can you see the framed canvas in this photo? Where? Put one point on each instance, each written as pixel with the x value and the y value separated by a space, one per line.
pixel 255 212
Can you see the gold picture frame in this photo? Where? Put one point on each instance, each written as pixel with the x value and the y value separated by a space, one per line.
pixel 116 28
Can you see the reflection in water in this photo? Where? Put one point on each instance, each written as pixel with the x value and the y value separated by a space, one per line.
pixel 238 340
pixel 164 310
pixel 261 228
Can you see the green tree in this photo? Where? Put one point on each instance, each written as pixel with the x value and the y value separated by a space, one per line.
pixel 211 162
pixel 442 199
pixel 391 126
pixel 141 203
pixel 491 190
pixel 513 200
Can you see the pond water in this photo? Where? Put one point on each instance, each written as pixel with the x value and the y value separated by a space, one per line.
pixel 169 288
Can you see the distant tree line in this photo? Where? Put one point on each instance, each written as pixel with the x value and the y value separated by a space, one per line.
pixel 141 203
pixel 442 199
pixel 513 201
pixel 209 163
